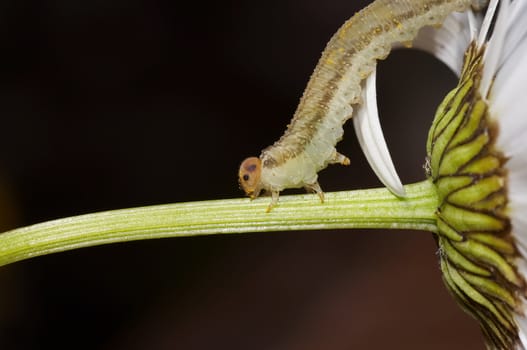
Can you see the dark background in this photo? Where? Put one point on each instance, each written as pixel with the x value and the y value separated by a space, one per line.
pixel 114 104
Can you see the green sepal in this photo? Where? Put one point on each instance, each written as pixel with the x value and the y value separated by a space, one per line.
pixel 472 123
pixel 477 251
pixel 484 165
pixel 488 256
pixel 445 230
pixel 459 259
pixel 449 184
pixel 490 288
pixel 490 328
pixel 461 155
pixel 446 131
pixel 479 191
pixel 438 117
pixel 466 220
pixel 473 294
pixel 497 243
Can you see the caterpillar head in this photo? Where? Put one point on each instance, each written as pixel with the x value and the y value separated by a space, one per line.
pixel 249 176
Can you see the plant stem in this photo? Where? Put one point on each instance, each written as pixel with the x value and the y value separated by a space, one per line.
pixel 373 208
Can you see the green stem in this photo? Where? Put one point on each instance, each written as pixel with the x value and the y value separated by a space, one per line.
pixel 373 208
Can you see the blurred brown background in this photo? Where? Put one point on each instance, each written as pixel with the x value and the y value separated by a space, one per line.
pixel 113 104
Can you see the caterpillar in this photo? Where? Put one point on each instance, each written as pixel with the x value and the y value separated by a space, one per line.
pixel 308 144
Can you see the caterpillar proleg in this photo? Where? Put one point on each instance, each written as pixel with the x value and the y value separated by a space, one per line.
pixel 308 144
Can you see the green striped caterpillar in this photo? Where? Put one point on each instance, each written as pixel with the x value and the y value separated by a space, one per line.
pixel 308 144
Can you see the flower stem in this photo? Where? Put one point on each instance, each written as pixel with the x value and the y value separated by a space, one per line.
pixel 373 208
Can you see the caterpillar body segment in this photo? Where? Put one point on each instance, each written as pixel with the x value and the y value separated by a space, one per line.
pixel 334 89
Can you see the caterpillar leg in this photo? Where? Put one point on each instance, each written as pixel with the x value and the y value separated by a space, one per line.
pixel 274 200
pixel 339 159
pixel 315 188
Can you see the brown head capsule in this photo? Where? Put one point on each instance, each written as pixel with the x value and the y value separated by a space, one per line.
pixel 249 176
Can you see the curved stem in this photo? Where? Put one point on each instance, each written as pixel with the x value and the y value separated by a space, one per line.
pixel 373 208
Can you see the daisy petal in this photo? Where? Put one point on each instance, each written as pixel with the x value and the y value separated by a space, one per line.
pixel 495 45
pixel 516 33
pixel 505 75
pixel 449 42
pixel 371 139
pixel 487 22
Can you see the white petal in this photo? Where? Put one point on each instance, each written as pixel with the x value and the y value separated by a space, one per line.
pixel 507 97
pixel 515 33
pixel 506 73
pixel 371 138
pixel 522 324
pixel 485 26
pixel 449 42
pixel 495 45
